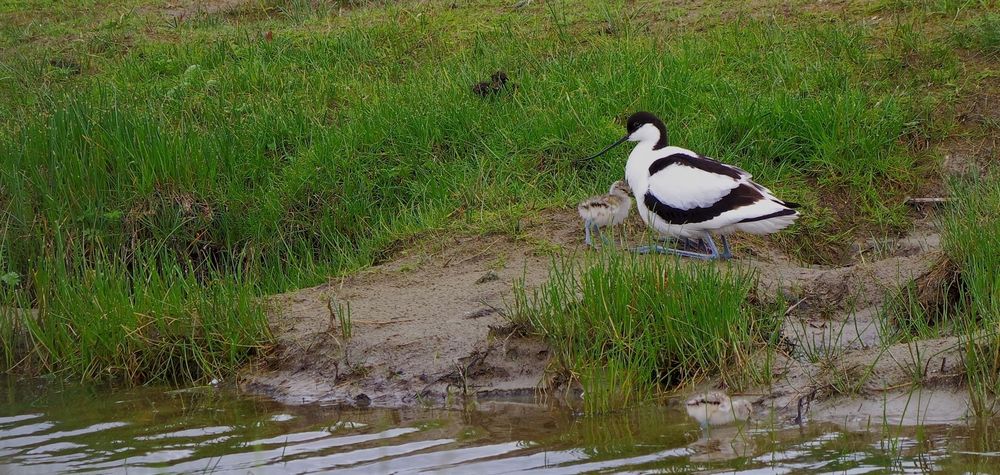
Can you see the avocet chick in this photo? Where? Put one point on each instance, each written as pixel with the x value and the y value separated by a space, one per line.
pixel 717 408
pixel 605 210
pixel 496 84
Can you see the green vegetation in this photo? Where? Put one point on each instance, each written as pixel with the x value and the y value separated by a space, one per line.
pixel 252 147
pixel 982 34
pixel 626 326
pixel 153 324
pixel 972 241
pixel 960 295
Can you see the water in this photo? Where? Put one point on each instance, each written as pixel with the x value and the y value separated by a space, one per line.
pixel 46 428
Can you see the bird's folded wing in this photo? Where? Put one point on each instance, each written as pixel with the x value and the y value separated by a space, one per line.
pixel 684 187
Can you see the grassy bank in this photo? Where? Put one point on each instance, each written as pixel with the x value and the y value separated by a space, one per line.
pixel 626 327
pixel 248 148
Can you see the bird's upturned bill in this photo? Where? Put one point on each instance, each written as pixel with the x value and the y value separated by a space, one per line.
pixel 609 147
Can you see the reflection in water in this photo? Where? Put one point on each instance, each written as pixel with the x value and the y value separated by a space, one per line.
pixel 48 429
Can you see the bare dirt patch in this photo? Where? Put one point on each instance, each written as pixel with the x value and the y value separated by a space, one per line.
pixel 424 326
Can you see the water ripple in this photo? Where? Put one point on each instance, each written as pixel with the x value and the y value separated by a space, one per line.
pixel 145 431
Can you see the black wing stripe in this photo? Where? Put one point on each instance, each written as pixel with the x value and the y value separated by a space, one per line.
pixel 784 212
pixel 702 163
pixel 738 197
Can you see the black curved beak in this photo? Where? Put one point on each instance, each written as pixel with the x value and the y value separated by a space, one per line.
pixel 602 152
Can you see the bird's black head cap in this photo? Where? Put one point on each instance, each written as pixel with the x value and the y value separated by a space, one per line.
pixel 641 118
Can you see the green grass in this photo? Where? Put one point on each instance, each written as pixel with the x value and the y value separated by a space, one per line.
pixel 315 152
pixel 960 295
pixel 271 145
pixel 981 34
pixel 971 239
pixel 626 327
pixel 909 315
pixel 150 323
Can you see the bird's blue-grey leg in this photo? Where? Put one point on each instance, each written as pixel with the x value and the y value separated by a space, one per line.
pixel 726 252
pixel 586 230
pixel 695 244
pixel 711 246
pixel 605 239
pixel 714 254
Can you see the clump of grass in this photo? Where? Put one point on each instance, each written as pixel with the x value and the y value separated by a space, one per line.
pixel 340 317
pixel 960 294
pixel 12 335
pixel 150 323
pixel 627 326
pixel 924 308
pixel 982 34
pixel 972 240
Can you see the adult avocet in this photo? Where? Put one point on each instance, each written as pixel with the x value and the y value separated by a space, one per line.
pixel 605 210
pixel 683 194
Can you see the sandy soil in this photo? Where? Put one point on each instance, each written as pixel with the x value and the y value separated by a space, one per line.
pixel 421 325
pixel 424 329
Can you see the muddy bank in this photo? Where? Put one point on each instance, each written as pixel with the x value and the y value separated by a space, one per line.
pixel 427 328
